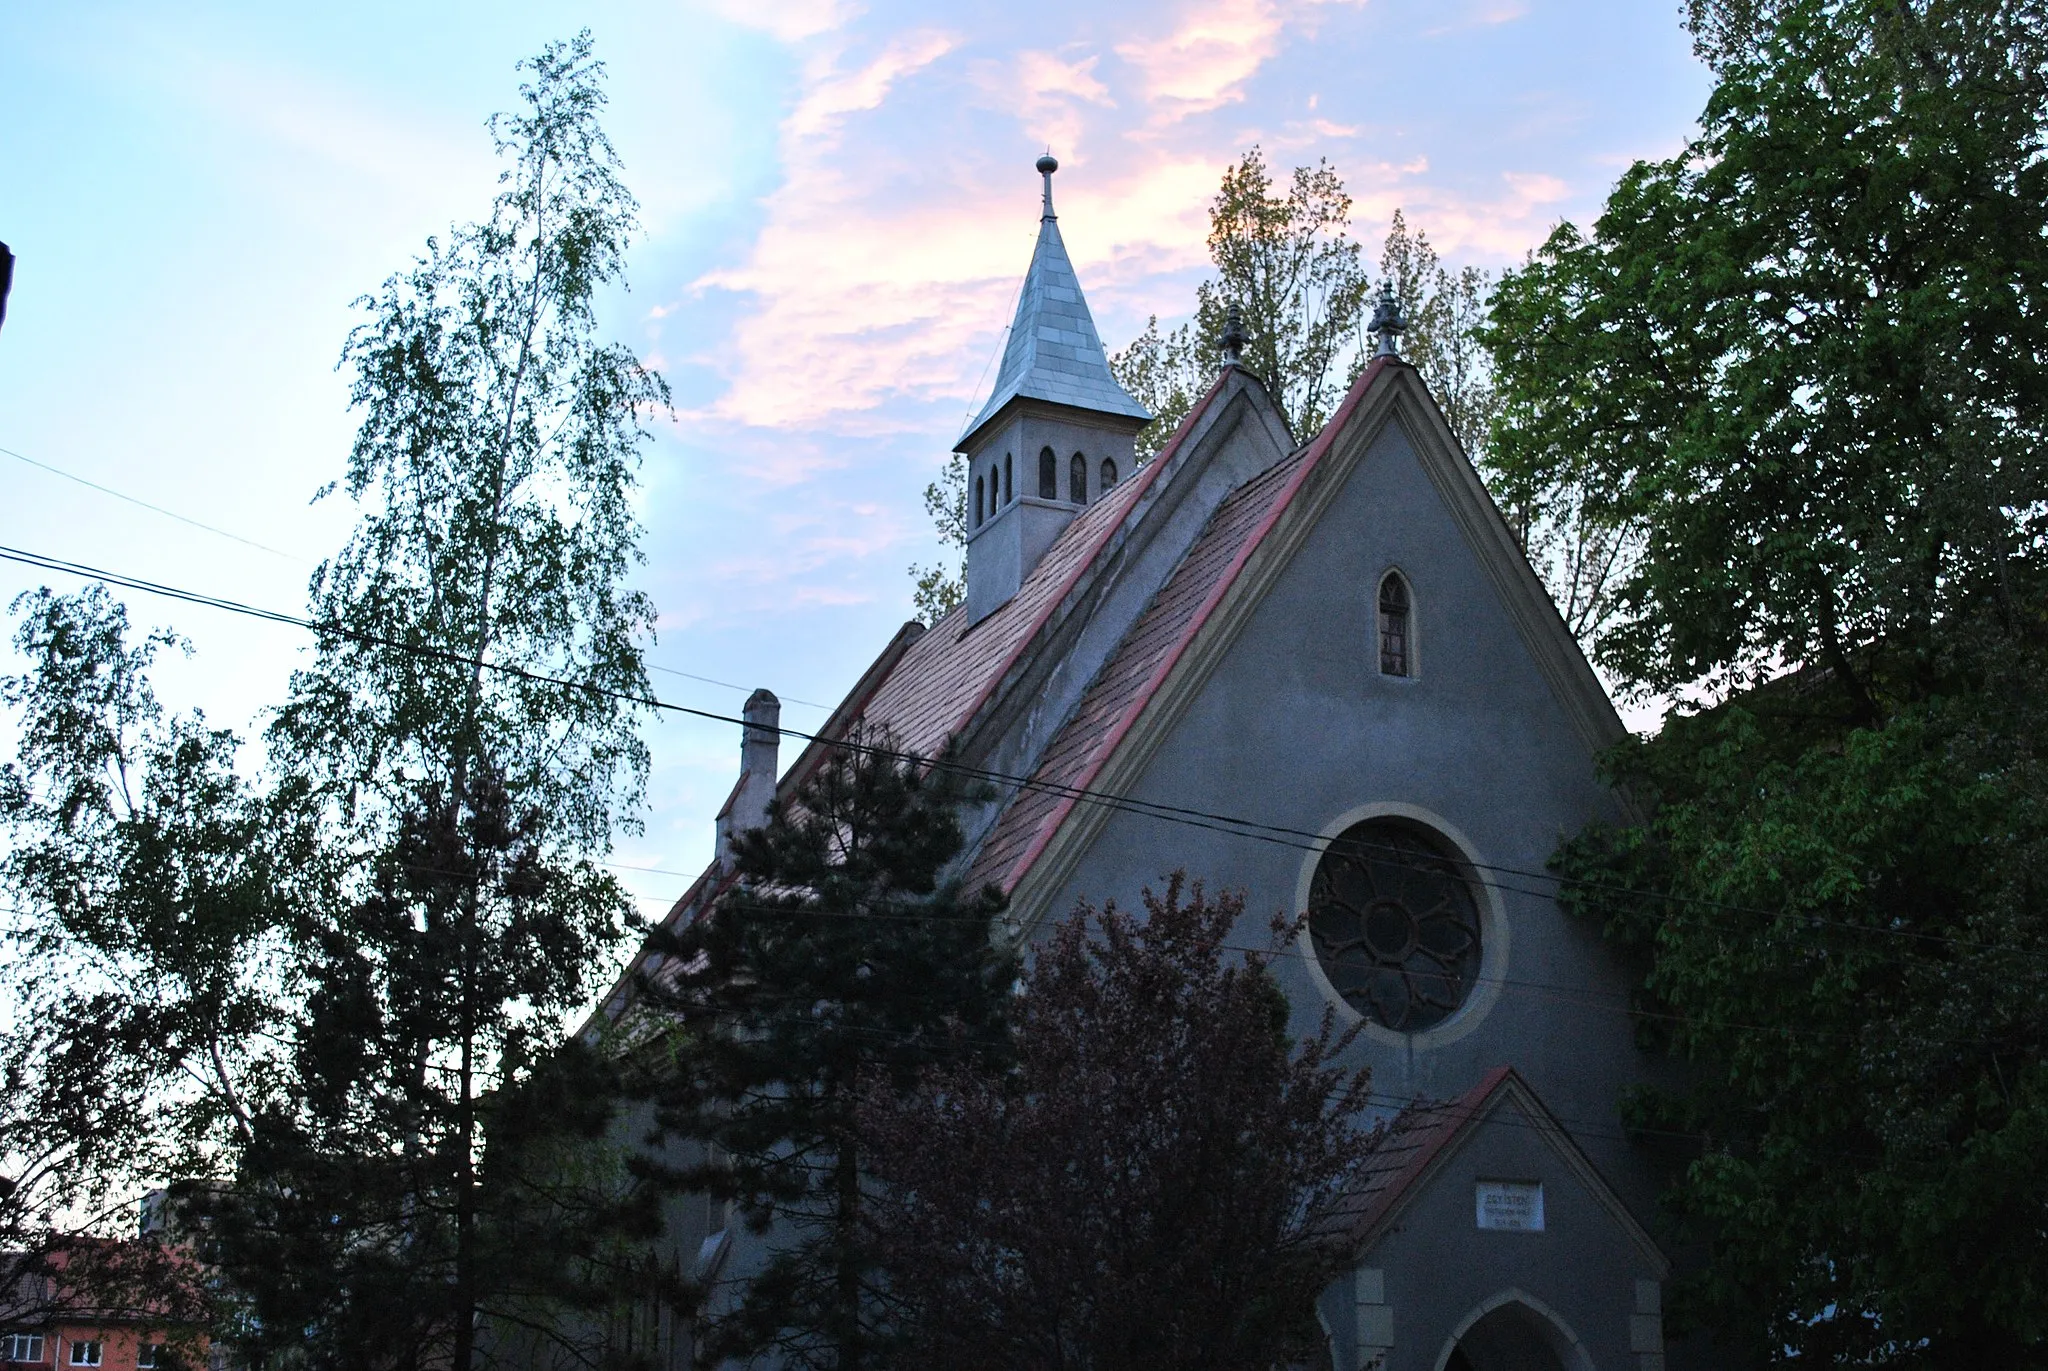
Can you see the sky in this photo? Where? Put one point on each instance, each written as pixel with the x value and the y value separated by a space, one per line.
pixel 838 204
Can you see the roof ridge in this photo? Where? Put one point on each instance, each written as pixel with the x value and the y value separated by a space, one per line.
pixel 1303 461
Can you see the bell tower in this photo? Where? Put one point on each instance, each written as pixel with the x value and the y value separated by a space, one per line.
pixel 1056 433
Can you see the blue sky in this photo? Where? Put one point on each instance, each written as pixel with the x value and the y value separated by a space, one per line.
pixel 838 202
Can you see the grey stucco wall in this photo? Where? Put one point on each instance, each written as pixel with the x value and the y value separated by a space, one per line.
pixel 1437 1269
pixel 1296 728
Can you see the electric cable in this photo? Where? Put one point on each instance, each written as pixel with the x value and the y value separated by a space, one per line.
pixel 1257 830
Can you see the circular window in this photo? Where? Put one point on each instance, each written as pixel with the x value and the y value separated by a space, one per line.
pixel 1395 924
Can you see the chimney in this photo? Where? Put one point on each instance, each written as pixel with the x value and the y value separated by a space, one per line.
pixel 760 740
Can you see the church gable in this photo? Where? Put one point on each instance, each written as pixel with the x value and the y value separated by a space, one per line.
pixel 1133 705
pixel 1485 1237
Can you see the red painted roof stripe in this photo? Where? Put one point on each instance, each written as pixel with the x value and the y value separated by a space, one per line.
pixel 1307 464
pixel 1146 476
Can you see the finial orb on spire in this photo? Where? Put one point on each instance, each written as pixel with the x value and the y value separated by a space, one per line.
pixel 1048 164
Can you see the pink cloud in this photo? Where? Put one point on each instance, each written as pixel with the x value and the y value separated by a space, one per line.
pixel 834 94
pixel 789 21
pixel 1203 63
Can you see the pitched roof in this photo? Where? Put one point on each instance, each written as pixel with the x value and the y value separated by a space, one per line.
pixel 1422 1137
pixel 1125 681
pixel 947 675
pixel 1414 1139
pixel 1132 676
pixel 1054 352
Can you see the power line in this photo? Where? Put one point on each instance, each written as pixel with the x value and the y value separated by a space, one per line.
pixel 729 685
pixel 263 547
pixel 155 509
pixel 1232 825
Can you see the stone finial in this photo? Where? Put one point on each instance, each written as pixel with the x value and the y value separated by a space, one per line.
pixel 1234 338
pixel 1387 324
pixel 1047 165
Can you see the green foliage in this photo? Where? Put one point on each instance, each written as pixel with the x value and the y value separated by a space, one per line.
pixel 1799 366
pixel 840 955
pixel 1799 361
pixel 941 587
pixel 1287 261
pixel 468 808
pixel 150 885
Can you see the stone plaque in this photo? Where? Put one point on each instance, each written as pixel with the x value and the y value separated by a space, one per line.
pixel 1510 1206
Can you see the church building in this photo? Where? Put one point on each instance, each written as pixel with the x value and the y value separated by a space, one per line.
pixel 1329 649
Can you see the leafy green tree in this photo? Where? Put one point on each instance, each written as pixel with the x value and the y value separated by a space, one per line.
pixel 938 588
pixel 1285 258
pixel 1801 366
pixel 152 888
pixel 842 954
pixel 468 732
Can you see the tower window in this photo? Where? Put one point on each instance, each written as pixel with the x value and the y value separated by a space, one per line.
pixel 1077 480
pixel 1396 632
pixel 977 502
pixel 1108 475
pixel 1048 475
pixel 1009 486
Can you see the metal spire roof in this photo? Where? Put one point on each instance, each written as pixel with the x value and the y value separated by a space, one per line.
pixel 1053 352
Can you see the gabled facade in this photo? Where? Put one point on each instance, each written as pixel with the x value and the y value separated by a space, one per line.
pixel 1322 673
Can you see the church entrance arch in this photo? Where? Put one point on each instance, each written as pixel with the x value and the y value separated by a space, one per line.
pixel 1513 1332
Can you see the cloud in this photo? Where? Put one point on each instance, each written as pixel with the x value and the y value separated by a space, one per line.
pixel 1500 227
pixel 1204 62
pixel 789 21
pixel 1482 17
pixel 1046 92
pixel 835 95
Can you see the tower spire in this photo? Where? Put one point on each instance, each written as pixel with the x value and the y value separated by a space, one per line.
pixel 1053 352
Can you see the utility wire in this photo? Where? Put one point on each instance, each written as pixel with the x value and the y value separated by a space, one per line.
pixel 1279 835
pixel 155 509
pixel 263 547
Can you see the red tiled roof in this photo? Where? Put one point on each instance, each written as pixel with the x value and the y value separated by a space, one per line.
pixel 1085 740
pixel 948 675
pixel 1416 1137
pixel 1147 655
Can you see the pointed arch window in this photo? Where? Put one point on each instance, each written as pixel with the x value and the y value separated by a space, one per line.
pixel 1108 476
pixel 1009 486
pixel 1048 475
pixel 977 502
pixel 1397 626
pixel 1077 480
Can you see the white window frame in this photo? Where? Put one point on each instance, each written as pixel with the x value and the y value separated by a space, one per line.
pixel 148 1350
pixel 24 1347
pixel 87 1352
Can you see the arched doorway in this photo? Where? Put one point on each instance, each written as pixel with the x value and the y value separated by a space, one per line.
pixel 1514 1333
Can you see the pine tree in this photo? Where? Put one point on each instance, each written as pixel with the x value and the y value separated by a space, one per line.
pixel 843 953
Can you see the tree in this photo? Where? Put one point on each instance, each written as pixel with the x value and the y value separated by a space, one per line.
pixel 939 588
pixel 152 888
pixel 468 733
pixel 1143 1187
pixel 841 954
pixel 1800 364
pixel 1289 265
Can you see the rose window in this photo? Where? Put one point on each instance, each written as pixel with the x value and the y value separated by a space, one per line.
pixel 1395 924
